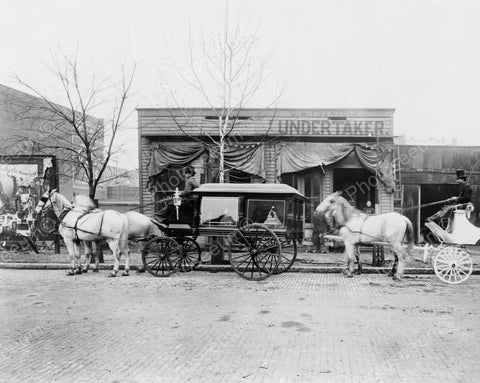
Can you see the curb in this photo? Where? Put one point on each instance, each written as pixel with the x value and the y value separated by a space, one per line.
pixel 222 268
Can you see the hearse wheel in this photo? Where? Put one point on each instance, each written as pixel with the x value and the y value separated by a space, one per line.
pixel 289 255
pixel 254 251
pixel 190 254
pixel 160 256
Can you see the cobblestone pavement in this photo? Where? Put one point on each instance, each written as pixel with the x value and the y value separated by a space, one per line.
pixel 217 327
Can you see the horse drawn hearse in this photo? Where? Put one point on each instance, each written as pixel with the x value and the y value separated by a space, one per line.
pixel 258 225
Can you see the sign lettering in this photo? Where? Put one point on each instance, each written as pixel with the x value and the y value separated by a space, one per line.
pixel 332 128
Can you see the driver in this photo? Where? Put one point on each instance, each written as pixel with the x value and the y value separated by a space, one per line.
pixel 190 184
pixel 464 196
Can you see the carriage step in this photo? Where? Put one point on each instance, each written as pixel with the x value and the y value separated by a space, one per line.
pixel 141 239
pixel 179 226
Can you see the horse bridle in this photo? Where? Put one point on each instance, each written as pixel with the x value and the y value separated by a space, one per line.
pixel 44 199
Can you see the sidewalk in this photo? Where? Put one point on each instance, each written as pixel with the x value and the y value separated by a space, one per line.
pixel 306 261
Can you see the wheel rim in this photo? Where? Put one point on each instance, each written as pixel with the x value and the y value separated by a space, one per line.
pixel 254 252
pixel 288 257
pixel 159 255
pixel 453 265
pixel 190 255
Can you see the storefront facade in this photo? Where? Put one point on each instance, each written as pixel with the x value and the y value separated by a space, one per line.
pixel 317 151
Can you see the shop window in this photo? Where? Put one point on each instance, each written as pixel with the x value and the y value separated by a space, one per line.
pixel 309 183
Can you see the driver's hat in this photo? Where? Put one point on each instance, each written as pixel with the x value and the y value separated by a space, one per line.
pixel 461 174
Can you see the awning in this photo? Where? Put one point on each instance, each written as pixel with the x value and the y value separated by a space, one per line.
pixel 294 157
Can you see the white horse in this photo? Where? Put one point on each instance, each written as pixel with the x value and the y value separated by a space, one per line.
pixel 356 227
pixel 83 222
pixel 139 227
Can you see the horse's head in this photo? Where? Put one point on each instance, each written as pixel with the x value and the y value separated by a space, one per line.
pixel 337 206
pixel 52 199
pixel 329 205
pixel 45 201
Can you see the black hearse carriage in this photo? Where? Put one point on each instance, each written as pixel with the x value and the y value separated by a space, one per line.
pixel 258 225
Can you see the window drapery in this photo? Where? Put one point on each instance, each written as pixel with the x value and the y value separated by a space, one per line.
pixel 294 157
pixel 291 157
pixel 248 158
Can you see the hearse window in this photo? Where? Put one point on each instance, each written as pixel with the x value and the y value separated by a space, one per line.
pixel 219 211
pixel 268 212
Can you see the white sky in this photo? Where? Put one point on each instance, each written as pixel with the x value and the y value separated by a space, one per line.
pixel 420 57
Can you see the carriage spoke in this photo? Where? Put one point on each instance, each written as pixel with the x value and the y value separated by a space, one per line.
pixel 453 265
pixel 158 254
pixel 254 251
pixel 288 256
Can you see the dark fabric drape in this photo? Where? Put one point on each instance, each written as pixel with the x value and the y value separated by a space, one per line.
pixel 173 154
pixel 247 158
pixel 378 159
pixel 294 157
pixel 244 157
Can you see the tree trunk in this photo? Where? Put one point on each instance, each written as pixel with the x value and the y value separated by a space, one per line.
pixel 221 165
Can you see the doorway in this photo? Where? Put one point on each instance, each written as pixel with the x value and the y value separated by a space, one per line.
pixel 357 185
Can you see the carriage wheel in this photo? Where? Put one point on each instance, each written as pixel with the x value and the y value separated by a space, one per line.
pixel 190 255
pixel 288 257
pixel 254 252
pixel 453 265
pixel 160 255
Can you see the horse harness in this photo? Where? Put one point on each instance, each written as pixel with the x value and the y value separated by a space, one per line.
pixel 360 232
pixel 75 227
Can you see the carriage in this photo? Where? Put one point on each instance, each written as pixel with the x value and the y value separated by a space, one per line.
pixel 259 226
pixel 451 261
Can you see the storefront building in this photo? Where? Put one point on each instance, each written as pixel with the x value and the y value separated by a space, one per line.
pixel 428 175
pixel 317 151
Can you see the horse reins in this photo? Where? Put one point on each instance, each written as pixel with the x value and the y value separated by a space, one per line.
pixel 339 226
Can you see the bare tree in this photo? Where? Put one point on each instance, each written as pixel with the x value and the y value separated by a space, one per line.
pixel 226 74
pixel 83 144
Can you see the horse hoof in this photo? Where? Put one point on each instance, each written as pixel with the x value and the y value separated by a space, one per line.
pixel 84 270
pixel 95 271
pixel 78 272
pixel 112 275
pixel 391 274
pixel 125 274
pixel 397 278
pixel 70 273
pixel 357 272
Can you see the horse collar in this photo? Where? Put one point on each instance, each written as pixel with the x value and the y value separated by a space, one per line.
pixel 62 215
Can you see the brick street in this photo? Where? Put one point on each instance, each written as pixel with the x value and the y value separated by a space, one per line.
pixel 217 327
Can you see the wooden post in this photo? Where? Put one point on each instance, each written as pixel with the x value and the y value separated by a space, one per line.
pixel 419 211
pixel 217 251
pixel 98 245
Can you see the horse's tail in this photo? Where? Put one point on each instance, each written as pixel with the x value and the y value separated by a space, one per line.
pixel 410 236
